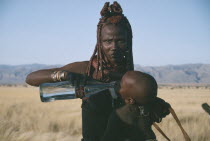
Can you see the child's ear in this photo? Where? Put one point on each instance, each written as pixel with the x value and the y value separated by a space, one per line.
pixel 129 101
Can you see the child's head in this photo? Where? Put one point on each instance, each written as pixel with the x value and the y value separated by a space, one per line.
pixel 138 87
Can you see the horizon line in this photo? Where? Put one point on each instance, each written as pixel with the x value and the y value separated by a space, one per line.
pixel 134 64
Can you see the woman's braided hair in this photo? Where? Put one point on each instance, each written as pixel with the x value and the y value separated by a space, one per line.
pixel 111 14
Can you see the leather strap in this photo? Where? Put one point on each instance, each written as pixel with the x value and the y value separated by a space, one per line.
pixel 159 129
pixel 187 138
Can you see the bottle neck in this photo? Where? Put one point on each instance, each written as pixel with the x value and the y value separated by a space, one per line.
pixel 94 87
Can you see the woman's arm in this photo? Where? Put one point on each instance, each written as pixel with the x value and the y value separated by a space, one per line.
pixel 43 76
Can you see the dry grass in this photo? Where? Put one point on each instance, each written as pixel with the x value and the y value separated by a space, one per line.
pixel 24 118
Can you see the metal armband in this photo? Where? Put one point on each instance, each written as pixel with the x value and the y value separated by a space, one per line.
pixel 58 75
pixel 53 76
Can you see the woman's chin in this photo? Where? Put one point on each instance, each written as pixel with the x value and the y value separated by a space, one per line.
pixel 115 61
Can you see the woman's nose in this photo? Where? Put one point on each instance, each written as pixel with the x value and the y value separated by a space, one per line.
pixel 114 46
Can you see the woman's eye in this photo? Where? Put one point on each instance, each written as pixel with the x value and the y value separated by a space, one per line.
pixel 121 41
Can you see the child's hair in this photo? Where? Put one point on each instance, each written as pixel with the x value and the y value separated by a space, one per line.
pixel 144 84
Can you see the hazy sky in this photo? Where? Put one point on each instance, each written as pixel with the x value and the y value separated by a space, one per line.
pixel 64 31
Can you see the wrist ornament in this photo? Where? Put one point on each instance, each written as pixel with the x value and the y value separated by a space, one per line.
pixel 59 75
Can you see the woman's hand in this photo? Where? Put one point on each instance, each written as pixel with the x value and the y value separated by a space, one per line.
pixel 75 78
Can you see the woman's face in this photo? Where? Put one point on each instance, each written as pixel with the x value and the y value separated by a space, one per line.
pixel 114 43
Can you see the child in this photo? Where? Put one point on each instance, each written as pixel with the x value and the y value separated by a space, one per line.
pixel 133 121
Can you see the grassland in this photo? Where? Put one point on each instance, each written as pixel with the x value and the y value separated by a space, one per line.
pixel 24 118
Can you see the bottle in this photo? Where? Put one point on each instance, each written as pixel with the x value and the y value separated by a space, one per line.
pixel 65 90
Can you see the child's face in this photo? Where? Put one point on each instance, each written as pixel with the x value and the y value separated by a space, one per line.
pixel 124 90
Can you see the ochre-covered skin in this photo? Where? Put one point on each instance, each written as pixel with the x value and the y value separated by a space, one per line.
pixel 114 43
pixel 43 76
pixel 118 56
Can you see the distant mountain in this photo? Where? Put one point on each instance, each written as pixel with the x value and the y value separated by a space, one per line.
pixel 17 74
pixel 188 73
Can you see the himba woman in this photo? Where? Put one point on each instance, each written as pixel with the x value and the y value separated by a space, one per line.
pixel 112 57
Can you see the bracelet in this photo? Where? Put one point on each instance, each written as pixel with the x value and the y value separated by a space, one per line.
pixel 63 75
pixel 58 76
pixel 53 76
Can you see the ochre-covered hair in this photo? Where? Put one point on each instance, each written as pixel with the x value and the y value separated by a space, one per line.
pixel 111 14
